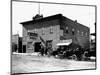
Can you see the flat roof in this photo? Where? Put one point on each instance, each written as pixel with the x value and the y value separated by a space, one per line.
pixel 57 16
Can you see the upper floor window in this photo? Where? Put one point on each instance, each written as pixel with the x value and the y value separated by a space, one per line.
pixel 73 31
pixel 78 32
pixel 35 30
pixel 51 30
pixel 29 32
pixel 86 33
pixel 67 30
pixel 32 34
pixel 82 33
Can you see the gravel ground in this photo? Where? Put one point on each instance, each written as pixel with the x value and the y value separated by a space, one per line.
pixel 28 63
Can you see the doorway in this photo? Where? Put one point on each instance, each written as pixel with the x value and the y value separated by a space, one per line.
pixel 24 48
pixel 37 46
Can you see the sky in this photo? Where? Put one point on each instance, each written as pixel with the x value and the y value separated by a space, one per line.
pixel 24 11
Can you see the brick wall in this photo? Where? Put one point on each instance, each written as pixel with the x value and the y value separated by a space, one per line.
pixel 43 30
pixel 81 32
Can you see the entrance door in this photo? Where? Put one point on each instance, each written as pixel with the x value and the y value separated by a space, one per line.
pixel 20 48
pixel 24 48
pixel 37 46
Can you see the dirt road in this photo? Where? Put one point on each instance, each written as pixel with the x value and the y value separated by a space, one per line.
pixel 27 64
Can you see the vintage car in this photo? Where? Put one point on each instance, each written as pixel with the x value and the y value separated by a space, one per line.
pixel 68 50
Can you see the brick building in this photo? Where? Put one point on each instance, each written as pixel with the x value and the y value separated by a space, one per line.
pixel 53 30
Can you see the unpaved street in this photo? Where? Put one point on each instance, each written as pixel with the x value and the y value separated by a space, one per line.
pixel 28 63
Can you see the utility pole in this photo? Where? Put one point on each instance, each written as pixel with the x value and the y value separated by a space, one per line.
pixel 39 8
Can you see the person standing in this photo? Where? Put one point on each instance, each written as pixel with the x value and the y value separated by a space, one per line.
pixel 42 50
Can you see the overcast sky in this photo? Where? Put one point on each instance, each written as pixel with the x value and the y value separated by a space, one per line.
pixel 24 11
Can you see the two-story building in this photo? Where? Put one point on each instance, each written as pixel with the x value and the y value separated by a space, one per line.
pixel 53 30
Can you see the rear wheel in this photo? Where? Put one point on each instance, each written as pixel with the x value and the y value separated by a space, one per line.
pixel 74 57
pixel 85 56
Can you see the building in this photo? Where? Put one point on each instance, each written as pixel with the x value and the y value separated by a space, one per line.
pixel 16 43
pixel 52 30
pixel 15 39
pixel 93 44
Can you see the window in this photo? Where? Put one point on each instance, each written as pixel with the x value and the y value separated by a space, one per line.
pixel 35 30
pixel 51 30
pixel 82 33
pixel 33 38
pixel 73 31
pixel 32 34
pixel 28 33
pixel 67 30
pixel 78 32
pixel 86 34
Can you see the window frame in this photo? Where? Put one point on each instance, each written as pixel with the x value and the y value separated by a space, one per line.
pixel 73 31
pixel 67 30
pixel 51 29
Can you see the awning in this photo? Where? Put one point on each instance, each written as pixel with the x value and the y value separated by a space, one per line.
pixel 65 42
pixel 61 44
